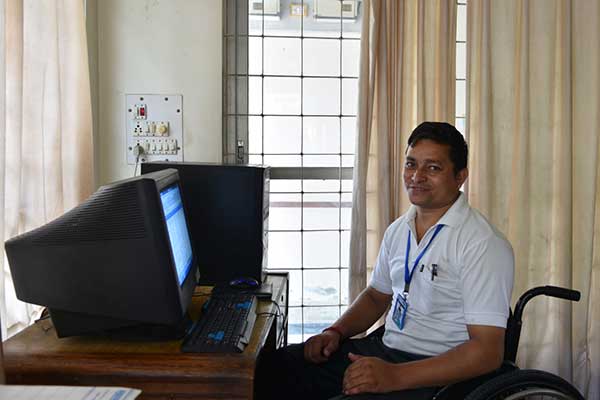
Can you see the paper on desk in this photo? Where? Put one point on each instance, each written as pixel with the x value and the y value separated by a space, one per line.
pixel 19 392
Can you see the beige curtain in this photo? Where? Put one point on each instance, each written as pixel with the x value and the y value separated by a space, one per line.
pixel 407 75
pixel 46 143
pixel 534 129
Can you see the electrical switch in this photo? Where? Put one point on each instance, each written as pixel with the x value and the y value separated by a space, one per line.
pixel 163 128
pixel 140 111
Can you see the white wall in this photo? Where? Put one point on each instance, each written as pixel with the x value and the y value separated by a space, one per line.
pixel 162 47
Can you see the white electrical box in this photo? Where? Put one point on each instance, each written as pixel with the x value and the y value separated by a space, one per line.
pixel 266 7
pixel 347 9
pixel 154 127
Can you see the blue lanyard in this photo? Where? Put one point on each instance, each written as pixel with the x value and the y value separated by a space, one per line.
pixel 409 274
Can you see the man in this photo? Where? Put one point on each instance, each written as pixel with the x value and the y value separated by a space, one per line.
pixel 446 275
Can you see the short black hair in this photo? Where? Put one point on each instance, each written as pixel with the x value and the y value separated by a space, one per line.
pixel 443 133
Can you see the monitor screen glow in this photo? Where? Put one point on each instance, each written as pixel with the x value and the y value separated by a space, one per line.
pixel 181 246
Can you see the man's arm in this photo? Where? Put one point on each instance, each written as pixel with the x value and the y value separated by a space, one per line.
pixel 368 307
pixel 482 353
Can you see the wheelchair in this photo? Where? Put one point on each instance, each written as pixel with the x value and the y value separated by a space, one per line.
pixel 509 382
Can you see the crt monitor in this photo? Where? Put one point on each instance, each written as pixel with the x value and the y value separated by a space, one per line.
pixel 121 262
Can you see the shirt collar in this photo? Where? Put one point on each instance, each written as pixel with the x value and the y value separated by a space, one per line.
pixel 452 218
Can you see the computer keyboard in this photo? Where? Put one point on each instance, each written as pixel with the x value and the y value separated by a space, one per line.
pixel 225 325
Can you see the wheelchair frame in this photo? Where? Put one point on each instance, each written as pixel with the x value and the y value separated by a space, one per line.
pixel 510 382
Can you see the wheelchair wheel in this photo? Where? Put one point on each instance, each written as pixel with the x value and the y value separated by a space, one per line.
pixel 527 384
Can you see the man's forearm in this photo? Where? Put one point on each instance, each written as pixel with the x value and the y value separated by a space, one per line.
pixel 363 313
pixel 470 359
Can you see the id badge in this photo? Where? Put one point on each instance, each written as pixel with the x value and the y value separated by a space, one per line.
pixel 400 309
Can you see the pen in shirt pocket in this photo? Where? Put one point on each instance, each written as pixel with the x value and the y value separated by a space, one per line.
pixel 433 270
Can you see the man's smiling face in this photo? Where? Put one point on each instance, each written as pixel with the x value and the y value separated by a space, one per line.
pixel 429 176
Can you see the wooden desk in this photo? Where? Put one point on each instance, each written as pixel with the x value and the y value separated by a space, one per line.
pixel 159 369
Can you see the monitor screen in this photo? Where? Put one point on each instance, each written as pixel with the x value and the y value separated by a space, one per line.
pixel 179 237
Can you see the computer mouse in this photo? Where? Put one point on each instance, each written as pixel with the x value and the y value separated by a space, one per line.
pixel 244 283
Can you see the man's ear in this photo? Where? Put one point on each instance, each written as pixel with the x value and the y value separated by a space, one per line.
pixel 462 176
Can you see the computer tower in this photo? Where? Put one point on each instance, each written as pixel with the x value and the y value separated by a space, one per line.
pixel 228 209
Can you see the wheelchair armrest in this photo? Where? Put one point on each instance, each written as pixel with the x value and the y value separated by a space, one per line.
pixel 460 390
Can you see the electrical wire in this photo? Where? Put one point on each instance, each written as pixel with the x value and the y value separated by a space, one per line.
pixel 279 313
pixel 137 160
pixel 137 151
pixel 44 315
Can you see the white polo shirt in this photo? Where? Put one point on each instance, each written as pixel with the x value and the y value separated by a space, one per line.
pixel 475 269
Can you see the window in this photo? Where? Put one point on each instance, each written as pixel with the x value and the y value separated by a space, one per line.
pixel 299 62
pixel 290 101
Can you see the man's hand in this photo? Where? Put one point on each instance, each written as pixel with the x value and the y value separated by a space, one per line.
pixel 318 348
pixel 480 354
pixel 368 375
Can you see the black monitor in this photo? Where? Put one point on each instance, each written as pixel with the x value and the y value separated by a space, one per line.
pixel 119 263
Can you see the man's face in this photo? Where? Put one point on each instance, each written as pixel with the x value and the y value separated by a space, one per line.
pixel 429 175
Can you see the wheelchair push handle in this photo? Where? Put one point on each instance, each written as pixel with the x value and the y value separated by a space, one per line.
pixel 562 293
pixel 513 332
pixel 553 291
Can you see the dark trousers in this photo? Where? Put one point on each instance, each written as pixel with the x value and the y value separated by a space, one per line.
pixel 284 374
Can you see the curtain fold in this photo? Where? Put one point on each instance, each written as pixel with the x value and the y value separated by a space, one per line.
pixel 3 90
pixel 407 76
pixel 586 195
pixel 533 126
pixel 48 154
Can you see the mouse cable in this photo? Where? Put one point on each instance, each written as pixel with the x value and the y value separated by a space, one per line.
pixel 278 308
